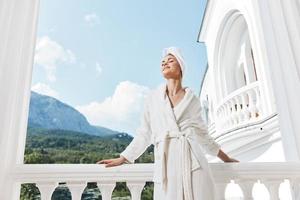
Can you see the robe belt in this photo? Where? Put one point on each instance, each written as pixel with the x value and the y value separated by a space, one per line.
pixel 184 159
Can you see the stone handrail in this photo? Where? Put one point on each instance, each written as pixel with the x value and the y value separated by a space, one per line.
pixel 76 176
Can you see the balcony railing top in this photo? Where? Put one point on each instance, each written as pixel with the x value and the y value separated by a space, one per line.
pixel 238 92
pixel 87 172
pixel 144 172
pixel 47 177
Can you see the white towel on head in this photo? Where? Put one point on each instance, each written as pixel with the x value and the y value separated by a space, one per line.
pixel 175 51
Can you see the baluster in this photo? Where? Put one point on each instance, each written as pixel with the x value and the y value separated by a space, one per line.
pixel 228 114
pixel 46 189
pixel 252 106
pixel 239 110
pixel 228 117
pixel 295 188
pixel 235 113
pixel 273 187
pixel 106 189
pixel 76 189
pixel 222 116
pixel 232 112
pixel 219 116
pixel 246 186
pixel 220 190
pixel 258 104
pixel 135 189
pixel 246 113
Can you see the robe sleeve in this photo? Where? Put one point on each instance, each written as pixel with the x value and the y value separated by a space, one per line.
pixel 142 138
pixel 206 141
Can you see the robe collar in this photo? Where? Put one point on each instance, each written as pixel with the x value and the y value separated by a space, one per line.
pixel 167 104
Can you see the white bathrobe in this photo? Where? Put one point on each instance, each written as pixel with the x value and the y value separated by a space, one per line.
pixel 179 135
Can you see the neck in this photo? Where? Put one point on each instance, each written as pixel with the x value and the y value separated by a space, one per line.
pixel 174 86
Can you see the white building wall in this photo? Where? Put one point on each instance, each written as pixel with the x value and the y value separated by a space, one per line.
pixel 273 28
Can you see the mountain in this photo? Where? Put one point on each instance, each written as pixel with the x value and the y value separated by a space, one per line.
pixel 57 134
pixel 49 113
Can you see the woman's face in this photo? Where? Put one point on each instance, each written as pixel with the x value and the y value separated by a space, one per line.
pixel 170 67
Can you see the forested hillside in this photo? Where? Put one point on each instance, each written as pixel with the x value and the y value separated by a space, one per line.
pixel 61 146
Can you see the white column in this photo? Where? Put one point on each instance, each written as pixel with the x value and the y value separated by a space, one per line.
pixel 273 187
pixel 291 11
pixel 18 21
pixel 106 189
pixel 136 189
pixel 46 189
pixel 279 60
pixel 295 189
pixel 76 189
pixel 246 186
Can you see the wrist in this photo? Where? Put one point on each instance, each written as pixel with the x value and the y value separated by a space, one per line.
pixel 123 159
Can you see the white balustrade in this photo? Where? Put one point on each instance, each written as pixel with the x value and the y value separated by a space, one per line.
pixel 240 107
pixel 273 187
pixel 295 187
pixel 136 189
pixel 247 174
pixel 106 189
pixel 246 186
pixel 76 189
pixel 76 177
pixel 46 189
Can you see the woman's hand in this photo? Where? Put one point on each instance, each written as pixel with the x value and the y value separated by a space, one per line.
pixel 223 156
pixel 231 160
pixel 113 162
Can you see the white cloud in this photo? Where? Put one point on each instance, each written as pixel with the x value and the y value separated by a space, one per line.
pixel 98 68
pixel 92 19
pixel 121 111
pixel 49 53
pixel 45 89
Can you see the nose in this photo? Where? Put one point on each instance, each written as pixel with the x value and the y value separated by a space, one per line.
pixel 163 65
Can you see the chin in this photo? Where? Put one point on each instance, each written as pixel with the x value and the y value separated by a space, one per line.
pixel 166 75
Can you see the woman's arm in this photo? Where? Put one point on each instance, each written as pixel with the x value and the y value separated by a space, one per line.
pixel 137 146
pixel 207 141
pixel 142 138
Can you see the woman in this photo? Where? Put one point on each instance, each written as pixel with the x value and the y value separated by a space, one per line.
pixel 172 122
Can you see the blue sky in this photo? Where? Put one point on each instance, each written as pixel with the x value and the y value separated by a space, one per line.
pixel 102 57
